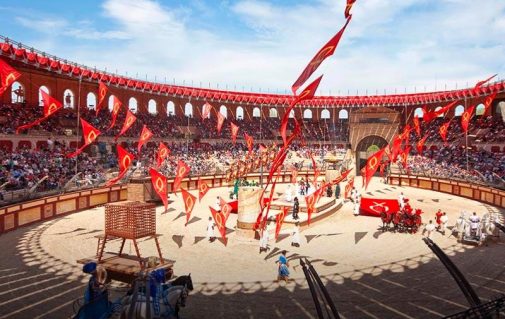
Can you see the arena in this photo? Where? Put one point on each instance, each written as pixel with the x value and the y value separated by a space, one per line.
pixel 240 204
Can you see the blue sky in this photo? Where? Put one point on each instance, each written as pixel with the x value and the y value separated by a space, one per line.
pixel 401 45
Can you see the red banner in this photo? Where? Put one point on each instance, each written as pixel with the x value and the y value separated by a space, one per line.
pixel 234 132
pixel 279 219
pixel 481 83
pixel 51 106
pixel 159 182
pixel 348 187
pixel 128 122
pixel 348 6
pixel 181 172
pixel 404 155
pixel 206 110
pixel 417 126
pixel 249 141
pixel 203 188
pixel 311 202
pixel 487 102
pixel 443 130
pixel 163 152
pixel 220 222
pixel 225 209
pixel 466 117
pixel 89 134
pixel 375 206
pixel 189 203
pixel 116 107
pixel 372 164
pixel 102 93
pixel 125 159
pixel 220 121
pixel 420 145
pixel 144 137
pixel 8 75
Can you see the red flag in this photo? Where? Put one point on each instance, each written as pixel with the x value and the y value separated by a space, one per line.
pixel 481 83
pixel 443 130
pixel 234 132
pixel 163 152
pixel 342 177
pixel 128 122
pixel 220 222
pixel 189 203
pixel 203 188
pixel 487 102
pixel 311 202
pixel 395 149
pixel 428 116
pixel 125 159
pixel 51 106
pixel 8 75
pixel 225 209
pixel 466 117
pixel 89 134
pixel 420 145
pixel 249 141
pixel 206 110
pixel 116 107
pixel 372 164
pixel 279 219
pixel 327 50
pixel 220 121
pixel 417 126
pixel 375 206
pixel 347 12
pixel 159 182
pixel 404 156
pixel 306 94
pixel 444 109
pixel 406 133
pixel 102 93
pixel 144 137
pixel 348 187
pixel 181 172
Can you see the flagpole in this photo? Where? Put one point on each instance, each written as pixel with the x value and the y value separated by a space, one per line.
pixel 78 120
pixel 261 137
pixel 466 142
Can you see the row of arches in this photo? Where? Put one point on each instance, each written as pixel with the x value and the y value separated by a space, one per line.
pixel 458 111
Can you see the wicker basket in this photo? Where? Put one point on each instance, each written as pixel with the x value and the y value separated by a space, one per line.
pixel 130 220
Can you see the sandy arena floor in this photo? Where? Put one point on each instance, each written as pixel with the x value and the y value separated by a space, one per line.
pixel 369 274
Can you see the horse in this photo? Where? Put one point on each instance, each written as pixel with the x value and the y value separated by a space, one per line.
pixel 386 220
pixel 488 226
pixel 459 228
pixel 172 296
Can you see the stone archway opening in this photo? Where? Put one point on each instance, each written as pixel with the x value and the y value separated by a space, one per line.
pixel 366 147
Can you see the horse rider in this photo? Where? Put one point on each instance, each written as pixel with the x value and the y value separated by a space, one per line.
pixel 96 284
pixel 474 222
pixel 444 220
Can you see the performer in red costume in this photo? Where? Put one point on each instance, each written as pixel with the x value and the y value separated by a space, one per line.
pixel 439 215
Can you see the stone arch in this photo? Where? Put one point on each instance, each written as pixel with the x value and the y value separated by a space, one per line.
pixel 419 112
pixel 367 147
pixel 272 112
pixel 439 108
pixel 188 110
pixel 325 114
pixel 239 113
pixel 45 89
pixel 307 114
pixel 459 110
pixel 343 114
pixel 479 110
pixel 18 92
pixel 91 101
pixel 256 112
pixel 292 114
pixel 68 99
pixel 133 105
pixel 170 108
pixel 223 110
pixel 500 109
pixel 152 107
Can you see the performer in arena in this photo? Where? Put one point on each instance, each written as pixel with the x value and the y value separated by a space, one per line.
pixel 210 230
pixel 429 228
pixel 296 208
pixel 288 196
pixel 265 237
pixel 337 191
pixel 438 215
pixel 217 205
pixel 329 191
pixel 444 219
pixel 353 194
pixel 474 223
pixel 401 200
pixel 283 271
pixel 96 284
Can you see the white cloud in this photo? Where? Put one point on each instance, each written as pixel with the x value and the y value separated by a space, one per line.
pixel 389 43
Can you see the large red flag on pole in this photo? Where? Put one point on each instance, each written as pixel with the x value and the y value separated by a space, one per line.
pixel 372 164
pixel 89 133
pixel 8 75
pixel 128 122
pixel 445 109
pixel 341 178
pixel 404 155
pixel 203 188
pixel 466 117
pixel 417 126
pixel 125 159
pixel 310 200
pixel 249 141
pixel 481 83
pixel 348 6
pixel 144 137
pixel 189 203
pixel 443 130
pixel 220 222
pixel 420 145
pixel 327 50
pixel 225 209
pixel 306 94
pixel 220 121
pixel 181 172
pixel 348 187
pixel 163 152
pixel 234 132
pixel 206 110
pixel 395 149
pixel 102 93
pixel 51 106
pixel 487 102
pixel 116 107
pixel 159 182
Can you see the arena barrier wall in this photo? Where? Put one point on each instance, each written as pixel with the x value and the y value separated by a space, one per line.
pixel 476 192
pixel 27 213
